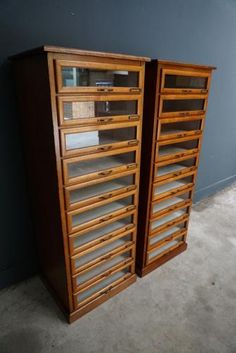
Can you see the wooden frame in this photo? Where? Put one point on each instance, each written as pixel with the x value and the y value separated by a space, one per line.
pixel 101 119
pixel 103 66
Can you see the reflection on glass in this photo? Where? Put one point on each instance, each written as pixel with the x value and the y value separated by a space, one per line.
pixel 178 105
pixel 101 137
pixel 85 167
pixel 96 109
pixel 81 77
pixel 178 81
pixel 81 194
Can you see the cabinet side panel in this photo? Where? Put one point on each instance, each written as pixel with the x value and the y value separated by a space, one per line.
pixel 148 136
pixel 33 93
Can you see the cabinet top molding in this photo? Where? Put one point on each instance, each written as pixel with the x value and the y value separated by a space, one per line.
pixel 183 64
pixel 62 50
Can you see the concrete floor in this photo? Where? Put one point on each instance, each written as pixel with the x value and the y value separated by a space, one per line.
pixel 187 306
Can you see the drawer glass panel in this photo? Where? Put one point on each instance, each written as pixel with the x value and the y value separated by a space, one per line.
pixel 91 236
pixel 82 194
pixel 82 260
pixel 163 248
pixel 178 128
pixel 88 275
pixel 80 168
pixel 166 234
pixel 180 81
pixel 90 77
pixel 161 205
pixel 171 150
pixel 101 211
pixel 172 185
pixel 95 109
pixel 178 105
pixel 105 283
pixel 175 167
pixel 170 217
pixel 99 137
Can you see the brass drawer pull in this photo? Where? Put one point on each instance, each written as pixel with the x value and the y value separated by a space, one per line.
pixel 133 143
pixel 132 187
pixel 132 207
pixel 105 219
pixel 104 89
pixel 105 120
pixel 133 165
pixel 137 90
pixel 105 173
pixel 187 90
pixel 105 148
pixel 105 197
pixel 204 90
pixel 133 117
pixel 129 227
pixel 184 114
pixel 107 290
pixel 107 257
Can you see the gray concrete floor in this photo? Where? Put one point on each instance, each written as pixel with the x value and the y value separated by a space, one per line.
pixel 186 306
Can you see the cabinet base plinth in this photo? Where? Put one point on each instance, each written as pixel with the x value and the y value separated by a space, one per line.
pixel 141 272
pixel 90 306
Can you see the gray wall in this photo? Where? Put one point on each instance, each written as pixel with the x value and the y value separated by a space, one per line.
pixel 196 31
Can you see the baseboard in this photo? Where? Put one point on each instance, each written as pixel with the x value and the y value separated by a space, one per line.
pixel 213 188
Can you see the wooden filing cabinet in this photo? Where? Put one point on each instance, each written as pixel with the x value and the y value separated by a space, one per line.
pixel 175 104
pixel 82 121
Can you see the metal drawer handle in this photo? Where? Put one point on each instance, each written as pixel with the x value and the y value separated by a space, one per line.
pixel 204 90
pixel 133 143
pixel 132 187
pixel 133 165
pixel 186 90
pixel 132 207
pixel 107 290
pixel 129 227
pixel 138 90
pixel 105 197
pixel 105 219
pixel 105 120
pixel 106 172
pixel 133 117
pixel 184 114
pixel 104 89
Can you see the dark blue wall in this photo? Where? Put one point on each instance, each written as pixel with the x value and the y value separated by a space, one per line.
pixel 196 31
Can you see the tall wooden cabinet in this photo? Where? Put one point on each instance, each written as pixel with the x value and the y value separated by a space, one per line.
pixel 175 104
pixel 82 120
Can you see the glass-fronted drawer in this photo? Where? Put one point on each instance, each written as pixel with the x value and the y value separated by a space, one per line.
pixel 174 130
pixel 96 256
pixel 173 187
pixel 90 277
pixel 171 204
pixel 182 105
pixel 171 170
pixel 156 253
pixel 102 234
pixel 166 221
pixel 165 236
pixel 79 76
pixel 183 81
pixel 102 288
pixel 89 216
pixel 98 109
pixel 176 151
pixel 95 166
pixel 99 138
pixel 83 194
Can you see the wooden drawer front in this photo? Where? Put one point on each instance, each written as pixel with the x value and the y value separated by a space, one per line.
pixel 102 138
pixel 176 149
pixel 162 207
pixel 171 170
pixel 165 248
pixel 169 129
pixel 96 256
pixel 89 277
pixel 167 220
pixel 184 81
pixel 97 166
pixel 90 216
pixel 162 238
pixel 92 77
pixel 182 105
pixel 99 110
pixel 167 188
pixel 102 234
pixel 82 194
pixel 102 288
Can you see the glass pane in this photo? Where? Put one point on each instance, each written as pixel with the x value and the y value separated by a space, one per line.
pixel 103 284
pixel 102 268
pixel 178 105
pixel 173 168
pixel 177 148
pixel 178 81
pixel 101 211
pixel 96 109
pixel 181 127
pixel 81 77
pixel 102 231
pixel 165 234
pixel 172 185
pixel 158 251
pixel 170 217
pixel 99 137
pixel 90 166
pixel 80 261
pixel 100 188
